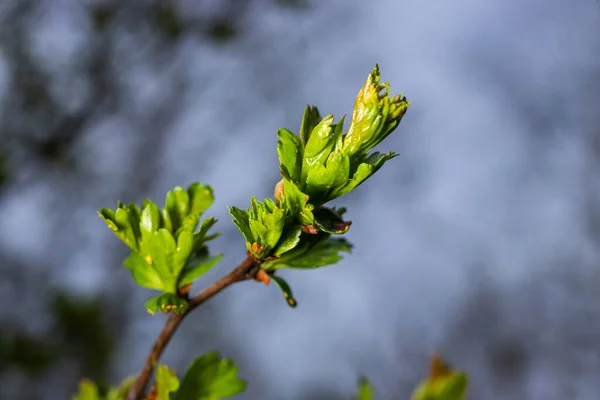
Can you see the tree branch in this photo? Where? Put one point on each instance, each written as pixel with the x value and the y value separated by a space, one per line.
pixel 246 270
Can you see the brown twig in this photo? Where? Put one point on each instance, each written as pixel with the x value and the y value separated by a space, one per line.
pixel 246 270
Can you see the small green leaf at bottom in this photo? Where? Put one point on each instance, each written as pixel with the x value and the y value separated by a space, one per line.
pixel 443 383
pixel 166 302
pixel 210 378
pixel 166 382
pixel 365 390
pixel 87 391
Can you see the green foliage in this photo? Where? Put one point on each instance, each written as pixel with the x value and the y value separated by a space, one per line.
pixel 166 382
pixel 210 378
pixel 314 251
pixel 317 166
pixel 168 248
pixel 88 390
pixel 365 390
pixel 324 162
pixel 443 383
pixel 293 230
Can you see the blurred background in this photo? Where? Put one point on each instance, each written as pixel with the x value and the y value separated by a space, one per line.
pixel 482 241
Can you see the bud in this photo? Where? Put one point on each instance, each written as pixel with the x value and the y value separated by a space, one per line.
pixel 375 116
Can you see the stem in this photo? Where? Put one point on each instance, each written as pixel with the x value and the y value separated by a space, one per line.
pixel 246 270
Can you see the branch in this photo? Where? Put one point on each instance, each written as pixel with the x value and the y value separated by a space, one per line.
pixel 246 270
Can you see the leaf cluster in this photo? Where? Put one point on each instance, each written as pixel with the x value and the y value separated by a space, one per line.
pixel 168 245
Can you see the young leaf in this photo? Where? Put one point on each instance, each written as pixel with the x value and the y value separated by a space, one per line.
pixel 87 391
pixel 161 249
pixel 330 221
pixel 375 115
pixel 323 179
pixel 313 251
pixel 119 393
pixel 192 272
pixel 289 239
pixel 367 165
pixel 183 207
pixel 296 203
pixel 442 384
pixel 124 222
pixel 177 207
pixel 201 198
pixel 365 390
pixel 210 378
pixel 166 382
pixel 285 288
pixel 166 302
pixel 241 219
pixel 290 152
pixel 144 274
pixel 319 145
pixel 310 119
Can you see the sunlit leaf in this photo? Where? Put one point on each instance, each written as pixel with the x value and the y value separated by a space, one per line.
pixel 210 377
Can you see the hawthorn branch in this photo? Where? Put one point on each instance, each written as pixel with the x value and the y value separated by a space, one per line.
pixel 245 271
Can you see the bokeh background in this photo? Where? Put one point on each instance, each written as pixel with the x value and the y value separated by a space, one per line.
pixel 481 241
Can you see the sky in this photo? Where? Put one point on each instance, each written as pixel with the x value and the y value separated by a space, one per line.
pixel 474 242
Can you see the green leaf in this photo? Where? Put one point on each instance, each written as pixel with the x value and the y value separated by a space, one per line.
pixel 296 203
pixel 120 392
pixel 144 274
pixel 324 179
pixel 183 252
pixel 330 221
pixel 443 383
pixel 161 249
pixel 314 251
pixel 367 166
pixel 210 377
pixel 192 272
pixel 290 152
pixel 375 115
pixel 289 239
pixel 87 391
pixel 319 146
pixel 287 291
pixel 166 382
pixel 241 219
pixel 166 302
pixel 365 390
pixel 124 222
pixel 176 207
pixel 183 208
pixel 150 220
pixel 204 228
pixel 201 198
pixel 310 119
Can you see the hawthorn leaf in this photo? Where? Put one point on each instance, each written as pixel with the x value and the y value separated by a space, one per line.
pixel 144 274
pixel 166 302
pixel 365 390
pixel 289 149
pixel 166 382
pixel 120 392
pixel 286 290
pixel 313 251
pixel 87 391
pixel 310 119
pixel 241 219
pixel 210 377
pixel 192 272
pixel 289 239
pixel 443 383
